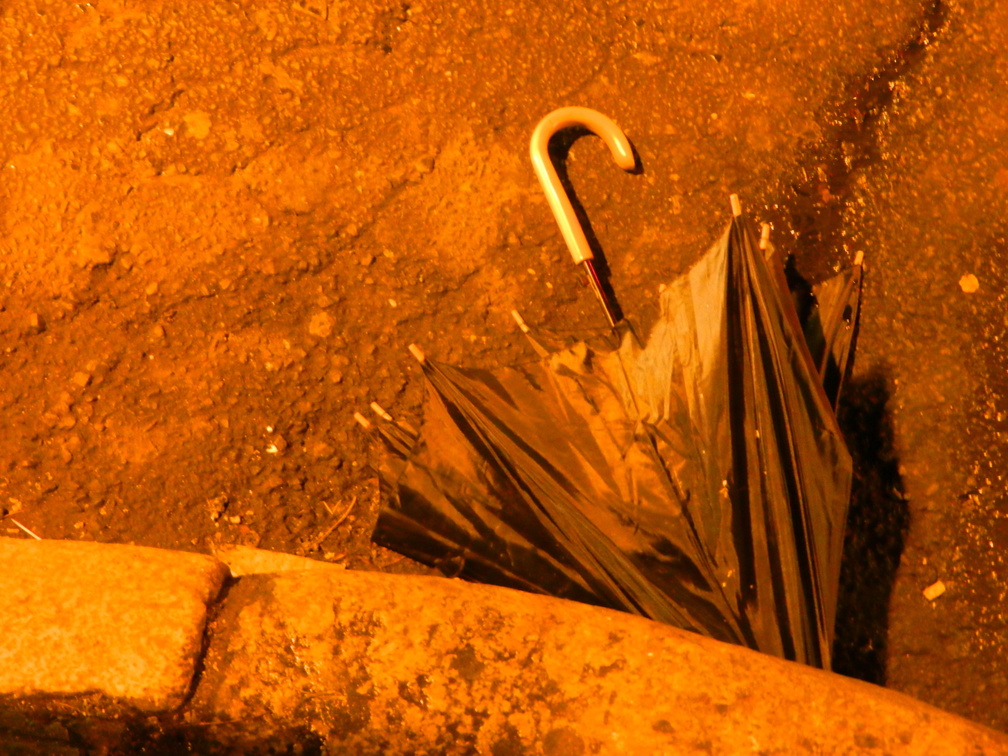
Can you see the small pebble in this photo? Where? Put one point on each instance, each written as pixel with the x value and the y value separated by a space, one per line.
pixel 321 450
pixel 321 324
pixel 934 590
pixel 424 165
pixel 969 283
pixel 35 322
pixel 197 124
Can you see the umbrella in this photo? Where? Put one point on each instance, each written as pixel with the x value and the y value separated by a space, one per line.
pixel 698 478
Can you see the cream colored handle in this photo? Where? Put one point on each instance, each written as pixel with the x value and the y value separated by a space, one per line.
pixel 559 203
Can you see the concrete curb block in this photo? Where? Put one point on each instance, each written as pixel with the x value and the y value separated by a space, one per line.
pixel 120 625
pixel 332 661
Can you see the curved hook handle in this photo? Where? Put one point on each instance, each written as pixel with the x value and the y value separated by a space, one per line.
pixel 559 203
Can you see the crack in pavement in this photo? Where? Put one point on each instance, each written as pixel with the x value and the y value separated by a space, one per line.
pixel 818 203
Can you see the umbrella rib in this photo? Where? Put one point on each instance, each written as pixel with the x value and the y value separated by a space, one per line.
pixel 560 521
pixel 581 538
pixel 802 541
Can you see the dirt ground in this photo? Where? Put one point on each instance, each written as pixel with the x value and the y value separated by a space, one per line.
pixel 221 224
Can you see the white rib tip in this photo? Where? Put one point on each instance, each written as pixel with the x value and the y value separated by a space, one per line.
pixel 520 321
pixel 408 428
pixel 418 353
pixel 764 240
pixel 363 421
pixel 378 410
pixel 736 206
pixel 858 258
pixel 26 530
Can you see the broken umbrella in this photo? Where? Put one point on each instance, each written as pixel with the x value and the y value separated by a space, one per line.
pixel 699 479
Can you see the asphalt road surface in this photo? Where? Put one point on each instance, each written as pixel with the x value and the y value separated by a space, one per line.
pixel 222 223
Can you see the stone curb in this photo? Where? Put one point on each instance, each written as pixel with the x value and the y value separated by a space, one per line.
pixel 108 647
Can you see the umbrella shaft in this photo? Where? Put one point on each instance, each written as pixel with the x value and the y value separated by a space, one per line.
pixel 600 294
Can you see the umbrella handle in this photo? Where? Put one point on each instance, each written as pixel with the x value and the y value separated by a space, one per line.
pixel 559 202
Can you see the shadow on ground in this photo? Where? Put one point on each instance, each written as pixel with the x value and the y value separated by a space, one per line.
pixel 877 524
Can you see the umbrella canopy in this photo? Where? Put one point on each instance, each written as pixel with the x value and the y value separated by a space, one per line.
pixel 699 478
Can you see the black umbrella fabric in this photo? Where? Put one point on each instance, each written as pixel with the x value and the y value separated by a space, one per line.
pixel 699 479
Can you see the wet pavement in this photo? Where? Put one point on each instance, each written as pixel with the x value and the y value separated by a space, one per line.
pixel 929 211
pixel 223 222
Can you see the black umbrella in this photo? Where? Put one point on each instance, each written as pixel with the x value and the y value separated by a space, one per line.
pixel 699 478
